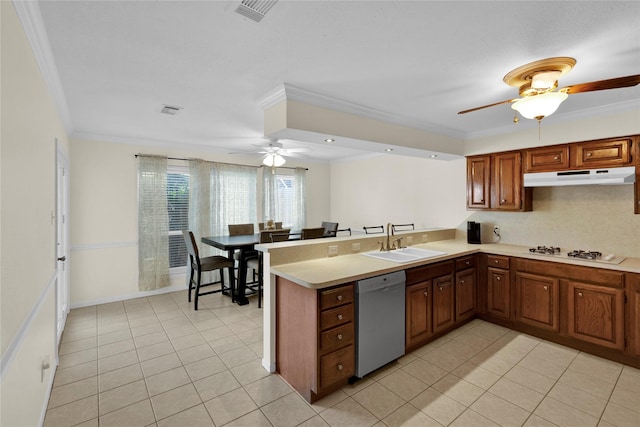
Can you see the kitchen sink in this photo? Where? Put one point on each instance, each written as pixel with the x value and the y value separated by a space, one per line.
pixel 404 255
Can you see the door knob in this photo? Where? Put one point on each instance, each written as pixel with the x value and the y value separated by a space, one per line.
pixel 62 258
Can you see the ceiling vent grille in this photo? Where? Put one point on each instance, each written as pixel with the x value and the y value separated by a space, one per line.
pixel 255 9
pixel 170 109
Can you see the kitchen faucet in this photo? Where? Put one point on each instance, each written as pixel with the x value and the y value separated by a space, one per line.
pixel 389 246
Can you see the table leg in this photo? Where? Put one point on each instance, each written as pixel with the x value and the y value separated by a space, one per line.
pixel 232 279
pixel 241 298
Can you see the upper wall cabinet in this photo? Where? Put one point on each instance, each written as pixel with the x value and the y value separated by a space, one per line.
pixel 545 159
pixel 494 182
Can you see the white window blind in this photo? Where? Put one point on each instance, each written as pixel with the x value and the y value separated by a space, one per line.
pixel 178 208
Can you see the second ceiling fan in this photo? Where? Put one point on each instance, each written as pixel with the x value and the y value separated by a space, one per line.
pixel 537 81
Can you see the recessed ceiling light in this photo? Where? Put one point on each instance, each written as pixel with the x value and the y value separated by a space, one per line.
pixel 388 150
pixel 433 156
pixel 329 140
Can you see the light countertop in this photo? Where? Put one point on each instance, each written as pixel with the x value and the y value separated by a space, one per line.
pixel 329 271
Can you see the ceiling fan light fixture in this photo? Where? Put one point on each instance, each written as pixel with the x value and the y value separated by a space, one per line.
pixel 273 160
pixel 545 80
pixel 539 106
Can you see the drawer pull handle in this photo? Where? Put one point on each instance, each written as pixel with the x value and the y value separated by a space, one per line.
pixel 339 367
pixel 546 288
pixel 426 293
pixel 339 336
pixel 339 316
pixel 339 297
pixel 580 294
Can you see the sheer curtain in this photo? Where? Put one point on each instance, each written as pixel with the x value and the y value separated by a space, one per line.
pixel 235 189
pixel 284 197
pixel 153 223
pixel 200 202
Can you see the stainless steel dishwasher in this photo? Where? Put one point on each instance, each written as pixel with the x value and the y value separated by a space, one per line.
pixel 380 321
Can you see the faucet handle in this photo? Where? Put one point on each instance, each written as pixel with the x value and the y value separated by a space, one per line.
pixel 381 246
pixel 399 243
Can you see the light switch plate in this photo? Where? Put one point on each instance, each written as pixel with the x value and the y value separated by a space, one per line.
pixel 333 250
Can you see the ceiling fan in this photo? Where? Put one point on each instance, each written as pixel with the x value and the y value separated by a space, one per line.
pixel 275 153
pixel 537 81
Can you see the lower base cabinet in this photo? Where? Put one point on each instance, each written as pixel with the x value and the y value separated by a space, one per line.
pixel 418 313
pixel 443 303
pixel 315 344
pixel 596 314
pixel 537 301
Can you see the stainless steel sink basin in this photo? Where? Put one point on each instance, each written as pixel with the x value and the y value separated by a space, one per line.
pixel 404 255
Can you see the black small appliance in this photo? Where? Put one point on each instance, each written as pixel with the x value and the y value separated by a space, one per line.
pixel 473 232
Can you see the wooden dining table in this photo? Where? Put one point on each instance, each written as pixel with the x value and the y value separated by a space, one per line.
pixel 244 244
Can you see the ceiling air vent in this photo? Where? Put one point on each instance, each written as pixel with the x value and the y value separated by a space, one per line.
pixel 255 9
pixel 170 109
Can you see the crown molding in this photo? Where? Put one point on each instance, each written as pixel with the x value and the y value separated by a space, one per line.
pixel 29 14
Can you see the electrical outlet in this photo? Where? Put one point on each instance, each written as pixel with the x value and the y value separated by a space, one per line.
pixel 355 247
pixel 409 240
pixel 333 250
pixel 496 230
pixel 425 238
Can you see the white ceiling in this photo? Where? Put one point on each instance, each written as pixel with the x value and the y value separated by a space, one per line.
pixel 419 62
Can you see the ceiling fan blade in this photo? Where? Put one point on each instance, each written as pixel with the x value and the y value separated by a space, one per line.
pixel 616 83
pixel 487 106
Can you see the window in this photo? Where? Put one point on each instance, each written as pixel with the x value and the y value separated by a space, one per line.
pixel 178 207
pixel 284 197
pixel 285 185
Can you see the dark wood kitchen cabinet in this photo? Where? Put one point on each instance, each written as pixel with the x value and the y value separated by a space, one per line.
pixel 498 287
pixel 315 346
pixel 478 181
pixel 613 152
pixel 429 302
pixel 537 300
pixel 466 286
pixel 495 182
pixel 545 159
pixel 596 314
pixel 633 286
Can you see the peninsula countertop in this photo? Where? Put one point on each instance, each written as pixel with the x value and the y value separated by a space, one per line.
pixel 329 271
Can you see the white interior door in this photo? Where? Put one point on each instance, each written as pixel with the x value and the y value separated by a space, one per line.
pixel 62 239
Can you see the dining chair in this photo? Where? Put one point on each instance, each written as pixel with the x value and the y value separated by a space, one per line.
pixel 312 233
pixel 198 265
pixel 374 229
pixel 330 228
pixel 402 227
pixel 242 230
pixel 266 236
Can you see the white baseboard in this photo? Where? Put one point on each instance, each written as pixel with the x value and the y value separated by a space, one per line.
pixel 172 288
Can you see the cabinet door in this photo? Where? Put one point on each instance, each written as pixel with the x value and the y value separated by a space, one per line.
pixel 537 301
pixel 498 292
pixel 478 176
pixel 607 153
pixel 418 313
pixel 443 302
pixel 596 314
pixel 507 181
pixel 547 159
pixel 634 318
pixel 465 294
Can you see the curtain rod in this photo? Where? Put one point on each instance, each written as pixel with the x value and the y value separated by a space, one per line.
pixel 224 163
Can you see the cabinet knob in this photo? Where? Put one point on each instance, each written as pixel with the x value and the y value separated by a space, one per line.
pixel 580 294
pixel 481 200
pixel 496 261
pixel 462 282
pixel 503 201
pixel 339 367
pixel 468 262
pixel 339 297
pixel 339 336
pixel 589 154
pixel 426 293
pixel 556 158
pixel 440 288
pixel 498 278
pixel 546 288
pixel 339 316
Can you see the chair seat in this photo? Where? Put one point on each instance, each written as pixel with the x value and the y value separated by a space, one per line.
pixel 253 263
pixel 215 262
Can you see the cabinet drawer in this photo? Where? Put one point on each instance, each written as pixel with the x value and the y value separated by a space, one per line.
pixel 336 316
pixel 336 337
pixel 547 159
pixel 336 296
pixel 336 366
pixel 498 261
pixel 466 262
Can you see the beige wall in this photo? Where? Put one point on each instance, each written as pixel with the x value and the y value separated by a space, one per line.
pixel 431 193
pixel 30 125
pixel 104 228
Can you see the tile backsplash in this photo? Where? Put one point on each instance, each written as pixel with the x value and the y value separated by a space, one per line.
pixel 586 217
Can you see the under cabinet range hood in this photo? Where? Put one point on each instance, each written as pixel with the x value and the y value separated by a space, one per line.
pixel 605 176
